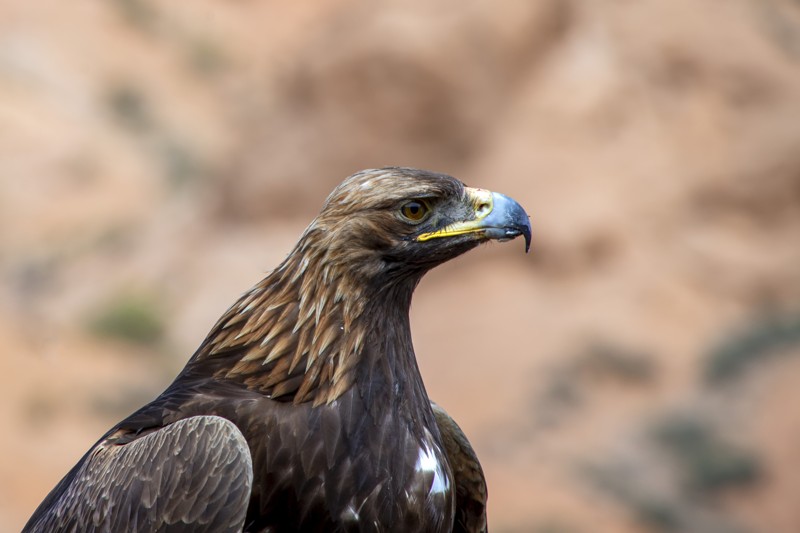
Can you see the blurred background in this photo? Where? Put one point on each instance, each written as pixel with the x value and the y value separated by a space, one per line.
pixel 639 371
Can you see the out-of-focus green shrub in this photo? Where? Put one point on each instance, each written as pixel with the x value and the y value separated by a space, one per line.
pixel 763 339
pixel 132 318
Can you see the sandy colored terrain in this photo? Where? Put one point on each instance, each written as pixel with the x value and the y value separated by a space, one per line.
pixel 637 372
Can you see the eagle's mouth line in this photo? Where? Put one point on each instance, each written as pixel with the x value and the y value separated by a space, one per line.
pixel 457 228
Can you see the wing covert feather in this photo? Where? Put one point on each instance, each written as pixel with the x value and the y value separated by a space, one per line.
pixel 193 475
pixel 471 494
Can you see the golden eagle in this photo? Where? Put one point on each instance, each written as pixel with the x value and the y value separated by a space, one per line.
pixel 304 409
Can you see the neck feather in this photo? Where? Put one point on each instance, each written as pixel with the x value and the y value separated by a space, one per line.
pixel 300 334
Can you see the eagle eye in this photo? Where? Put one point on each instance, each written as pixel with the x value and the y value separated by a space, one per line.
pixel 415 210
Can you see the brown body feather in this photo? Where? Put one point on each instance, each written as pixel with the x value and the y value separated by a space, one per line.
pixel 314 370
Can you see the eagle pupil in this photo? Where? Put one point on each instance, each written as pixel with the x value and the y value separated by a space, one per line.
pixel 414 210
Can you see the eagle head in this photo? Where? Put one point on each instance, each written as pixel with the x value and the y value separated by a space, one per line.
pixel 397 222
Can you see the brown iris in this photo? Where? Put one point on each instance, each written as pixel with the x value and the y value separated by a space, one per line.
pixel 415 210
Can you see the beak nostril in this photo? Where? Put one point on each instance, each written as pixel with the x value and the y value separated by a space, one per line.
pixel 483 208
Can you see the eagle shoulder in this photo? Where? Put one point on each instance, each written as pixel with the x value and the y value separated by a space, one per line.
pixel 193 475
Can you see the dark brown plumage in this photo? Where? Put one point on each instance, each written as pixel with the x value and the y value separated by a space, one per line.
pixel 303 409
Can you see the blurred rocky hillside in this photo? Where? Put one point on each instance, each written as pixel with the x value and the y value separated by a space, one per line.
pixel 637 372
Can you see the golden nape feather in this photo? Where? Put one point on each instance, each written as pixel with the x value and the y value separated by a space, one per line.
pixel 304 409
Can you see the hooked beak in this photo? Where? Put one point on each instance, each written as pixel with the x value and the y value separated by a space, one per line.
pixel 497 217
